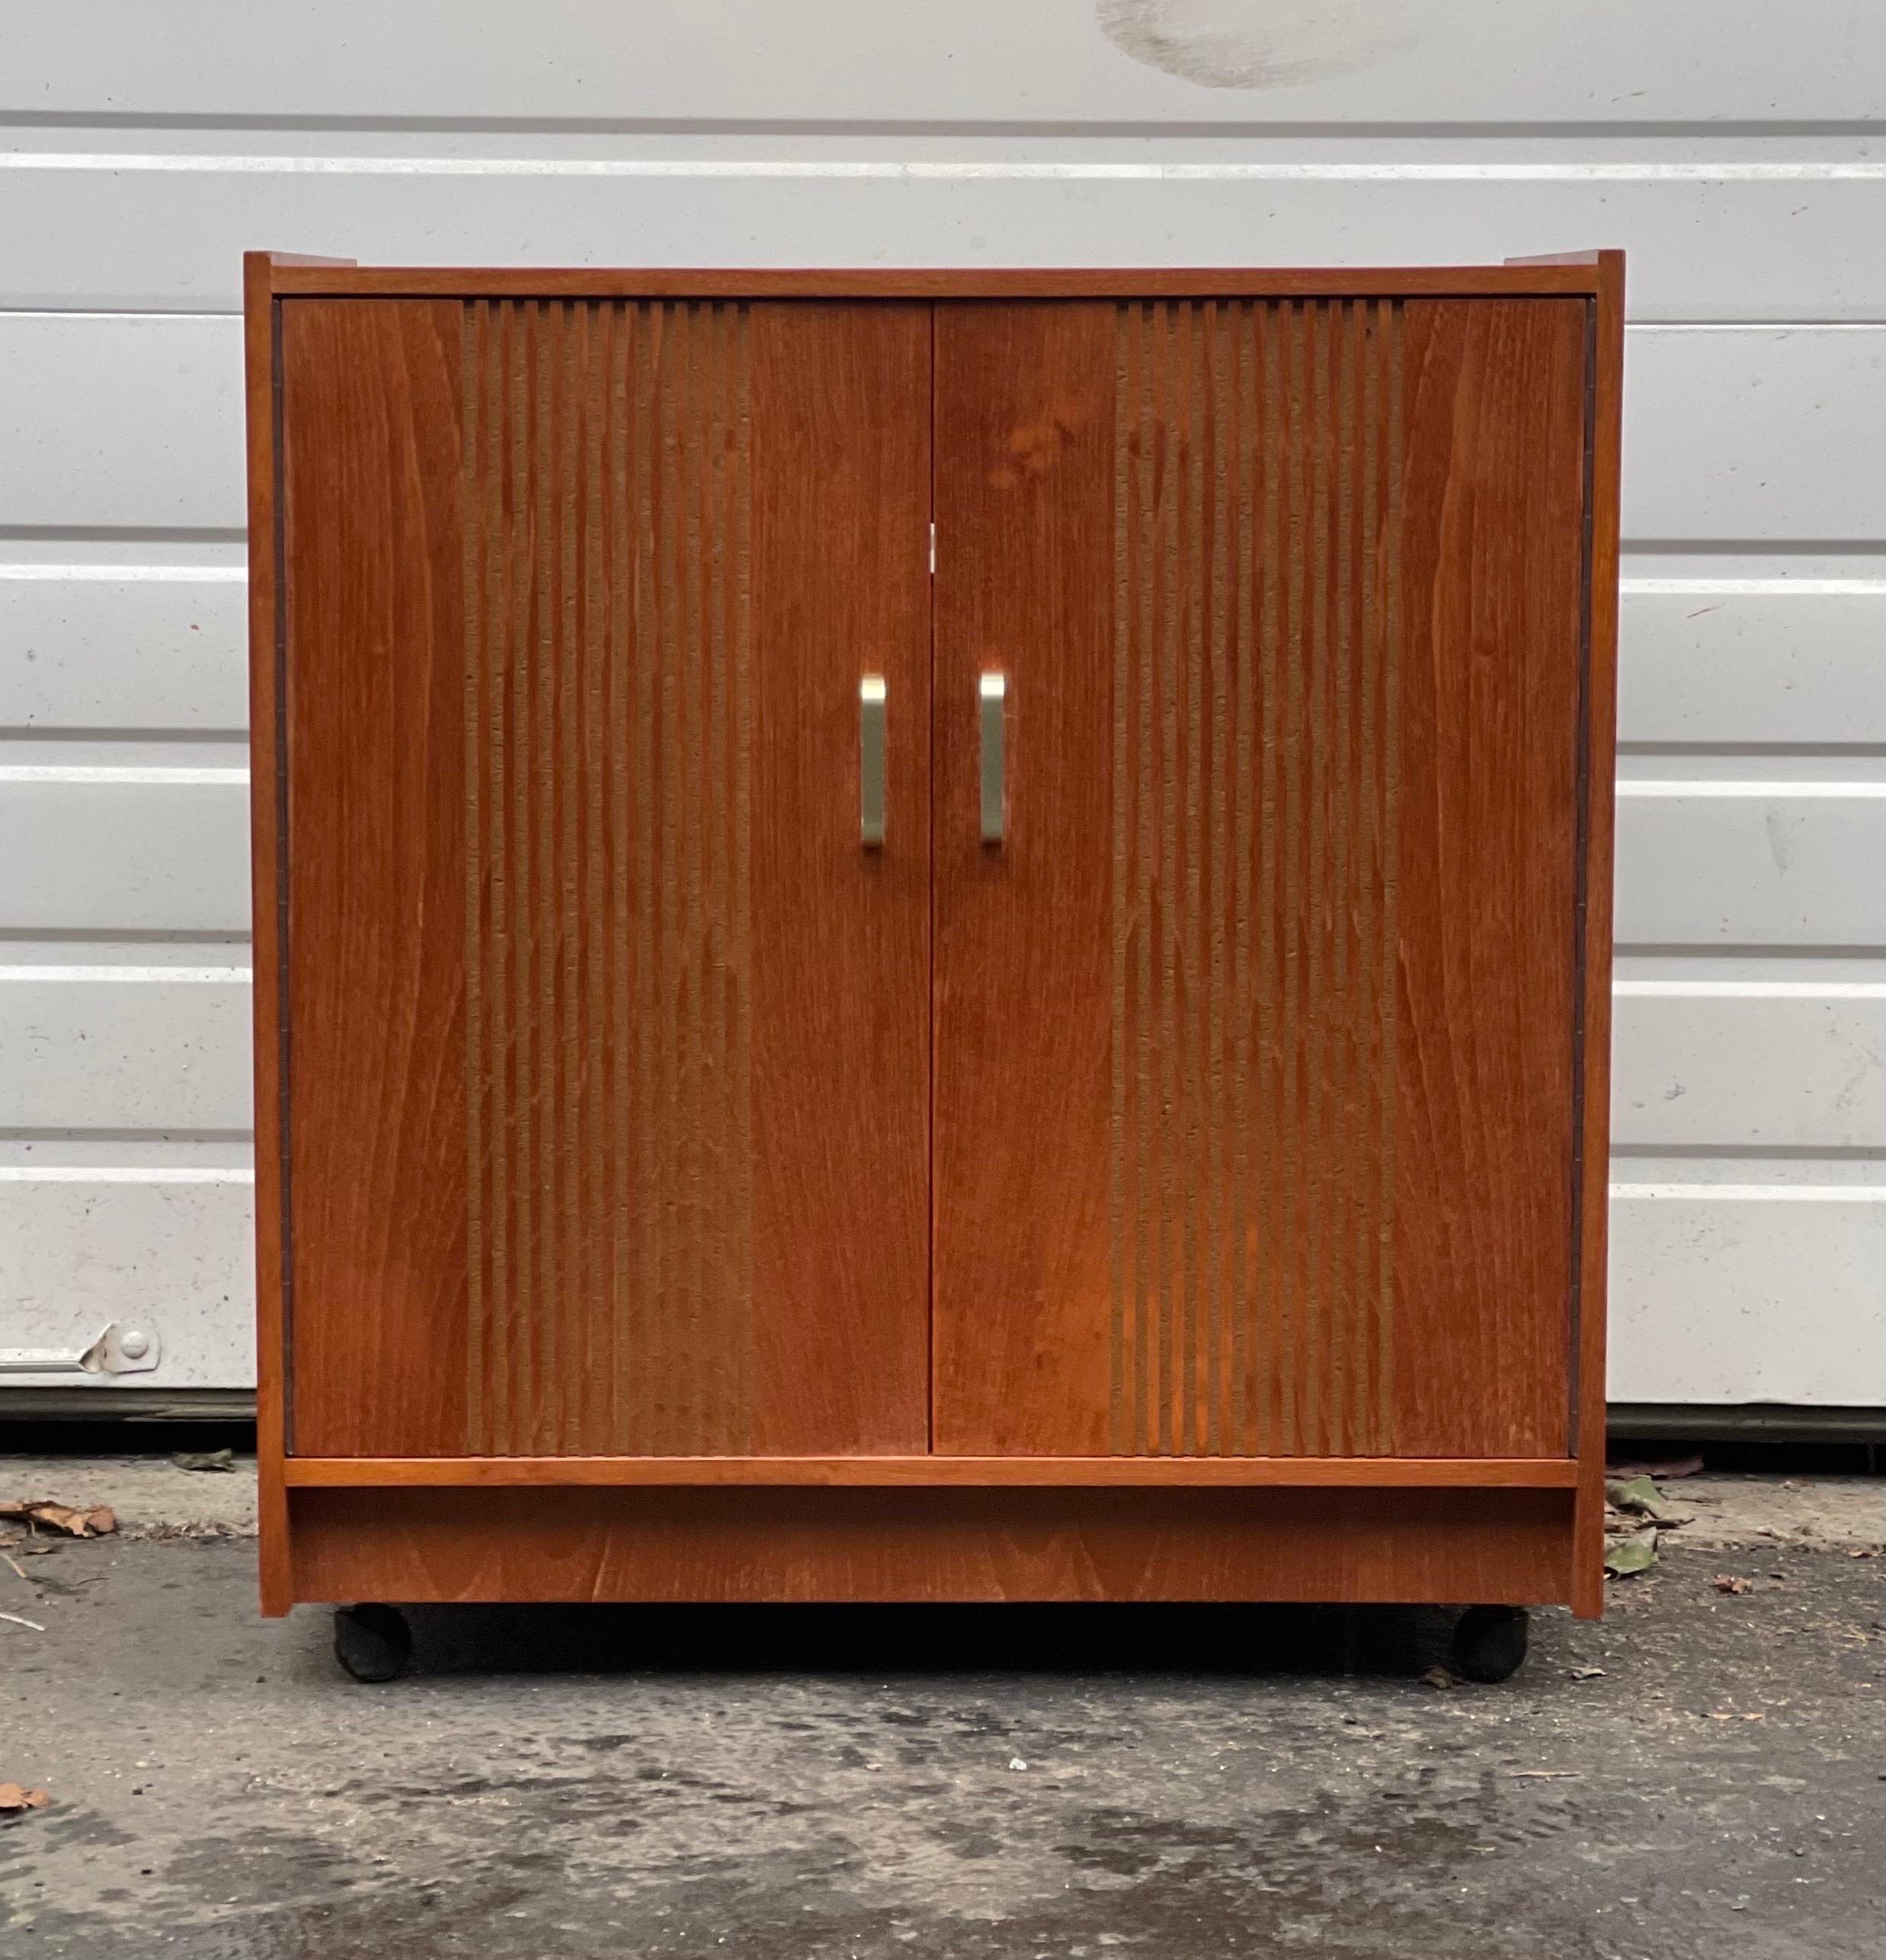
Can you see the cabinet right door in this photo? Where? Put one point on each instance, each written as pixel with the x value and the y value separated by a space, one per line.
pixel 1256 1033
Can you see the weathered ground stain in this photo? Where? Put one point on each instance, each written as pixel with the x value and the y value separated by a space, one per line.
pixel 1693 1777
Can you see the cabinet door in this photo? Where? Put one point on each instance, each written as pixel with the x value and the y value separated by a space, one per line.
pixel 606 1042
pixel 1255 1036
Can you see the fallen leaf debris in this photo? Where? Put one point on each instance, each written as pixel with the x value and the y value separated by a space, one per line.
pixel 1636 1553
pixel 1637 1513
pixel 67 1520
pixel 1639 1497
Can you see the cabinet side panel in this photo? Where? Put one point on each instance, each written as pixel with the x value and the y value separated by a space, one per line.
pixel 1604 434
pixel 373 601
pixel 265 841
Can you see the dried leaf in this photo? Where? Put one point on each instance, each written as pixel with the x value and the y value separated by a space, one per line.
pixel 1587 1673
pixel 1730 1582
pixel 16 1797
pixel 1623 1556
pixel 72 1520
pixel 204 1459
pixel 1438 1677
pixel 1640 1497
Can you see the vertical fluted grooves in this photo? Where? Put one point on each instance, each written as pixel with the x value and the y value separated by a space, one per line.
pixel 608 730
pixel 1257 537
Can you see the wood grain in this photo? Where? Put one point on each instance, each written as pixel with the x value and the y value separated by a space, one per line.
pixel 1025 539
pixel 841 935
pixel 372 567
pixel 608 720
pixel 1253 1077
pixel 1490 874
pixel 923 282
pixel 485 1472
pixel 594 1153
pixel 931 1544
pixel 1255 786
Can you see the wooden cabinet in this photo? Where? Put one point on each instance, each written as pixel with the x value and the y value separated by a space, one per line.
pixel 933 935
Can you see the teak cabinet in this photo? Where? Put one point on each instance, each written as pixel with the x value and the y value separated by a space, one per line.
pixel 933 935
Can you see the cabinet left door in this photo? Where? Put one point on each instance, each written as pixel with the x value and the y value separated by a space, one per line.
pixel 606 1033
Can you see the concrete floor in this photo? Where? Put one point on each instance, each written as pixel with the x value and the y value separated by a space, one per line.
pixel 1174 1784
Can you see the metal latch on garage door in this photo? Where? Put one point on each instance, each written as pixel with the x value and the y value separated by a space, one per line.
pixel 120 1349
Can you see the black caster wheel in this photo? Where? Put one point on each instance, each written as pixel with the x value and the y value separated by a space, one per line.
pixel 371 1643
pixel 1490 1642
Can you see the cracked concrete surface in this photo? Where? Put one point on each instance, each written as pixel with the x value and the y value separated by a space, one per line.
pixel 972 1784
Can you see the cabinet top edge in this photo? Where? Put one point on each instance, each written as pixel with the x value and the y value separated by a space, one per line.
pixel 1586 278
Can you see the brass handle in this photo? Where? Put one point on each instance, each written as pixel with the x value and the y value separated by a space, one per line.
pixel 992 700
pixel 871 703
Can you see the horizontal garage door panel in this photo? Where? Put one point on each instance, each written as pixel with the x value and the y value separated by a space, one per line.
pixel 1751 1065
pixel 144 649
pixel 121 422
pixel 125 849
pixel 1704 663
pixel 172 1247
pixel 165 228
pixel 1737 1293
pixel 125 1047
pixel 1751 865
pixel 1771 433
pixel 1292 61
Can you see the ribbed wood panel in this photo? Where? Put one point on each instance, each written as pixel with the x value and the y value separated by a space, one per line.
pixel 1256 572
pixel 607 732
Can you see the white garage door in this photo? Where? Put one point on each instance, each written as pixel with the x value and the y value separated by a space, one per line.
pixel 1726 144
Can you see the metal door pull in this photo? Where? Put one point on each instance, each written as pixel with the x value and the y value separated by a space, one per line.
pixel 992 699
pixel 871 707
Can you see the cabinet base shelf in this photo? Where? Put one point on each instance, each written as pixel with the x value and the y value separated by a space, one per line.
pixel 947 1543
pixel 1348 1472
